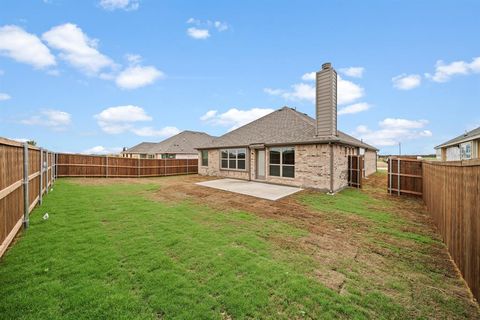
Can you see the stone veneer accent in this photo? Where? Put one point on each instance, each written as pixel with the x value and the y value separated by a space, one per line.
pixel 312 166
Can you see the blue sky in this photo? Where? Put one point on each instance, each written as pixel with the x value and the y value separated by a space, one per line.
pixel 98 75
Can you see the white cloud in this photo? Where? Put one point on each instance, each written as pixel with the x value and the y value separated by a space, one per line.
pixel 273 92
pixel 2 72
pixel 127 5
pixel 348 91
pixel 407 82
pixel 202 29
pixel 355 72
pixel 392 131
pixel 151 132
pixel 24 47
pixel 133 58
pixel 121 119
pixel 443 72
pixel 137 76
pixel 221 26
pixel 309 76
pixel 209 115
pixel 77 48
pixel 234 117
pixel 402 123
pixel 354 108
pixel 55 119
pixel 198 33
pixel 102 150
pixel 4 96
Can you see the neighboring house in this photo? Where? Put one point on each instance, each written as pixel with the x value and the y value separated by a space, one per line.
pixel 463 147
pixel 180 146
pixel 289 147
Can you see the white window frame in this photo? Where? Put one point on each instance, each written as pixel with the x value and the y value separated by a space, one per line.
pixel 463 150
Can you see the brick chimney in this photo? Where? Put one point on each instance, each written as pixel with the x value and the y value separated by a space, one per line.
pixel 326 101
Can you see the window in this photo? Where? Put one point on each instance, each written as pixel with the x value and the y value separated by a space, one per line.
pixel 151 156
pixel 466 150
pixel 168 155
pixel 234 159
pixel 282 162
pixel 205 158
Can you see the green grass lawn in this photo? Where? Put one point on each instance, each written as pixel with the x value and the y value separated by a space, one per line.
pixel 111 252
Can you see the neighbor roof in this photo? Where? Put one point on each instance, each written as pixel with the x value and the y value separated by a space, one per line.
pixel 144 147
pixel 184 142
pixel 471 135
pixel 283 126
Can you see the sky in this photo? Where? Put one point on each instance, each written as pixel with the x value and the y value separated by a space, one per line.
pixel 94 76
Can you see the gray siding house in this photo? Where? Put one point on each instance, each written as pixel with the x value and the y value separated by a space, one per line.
pixel 179 146
pixel 289 147
pixel 463 147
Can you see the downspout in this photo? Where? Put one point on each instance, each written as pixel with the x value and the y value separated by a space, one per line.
pixel 331 168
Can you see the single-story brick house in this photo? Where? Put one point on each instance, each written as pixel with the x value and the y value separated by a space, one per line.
pixel 289 147
pixel 179 146
pixel 463 147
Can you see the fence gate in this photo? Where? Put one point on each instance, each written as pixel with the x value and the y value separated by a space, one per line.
pixel 355 170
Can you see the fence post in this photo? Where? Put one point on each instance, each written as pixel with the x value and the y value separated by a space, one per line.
pixel 359 172
pixel 187 167
pixel 26 199
pixel 138 167
pixel 53 168
pixel 40 193
pixel 106 166
pixel 398 177
pixel 390 175
pixel 46 172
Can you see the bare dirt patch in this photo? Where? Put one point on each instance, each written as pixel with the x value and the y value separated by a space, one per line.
pixel 348 252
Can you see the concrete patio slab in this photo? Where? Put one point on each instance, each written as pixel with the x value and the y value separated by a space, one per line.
pixel 251 188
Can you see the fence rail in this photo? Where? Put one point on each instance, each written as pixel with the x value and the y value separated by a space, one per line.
pixel 26 174
pixel 451 192
pixel 75 165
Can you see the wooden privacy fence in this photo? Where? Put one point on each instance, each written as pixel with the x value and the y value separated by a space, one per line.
pixel 451 192
pixel 405 176
pixel 356 170
pixel 26 173
pixel 452 195
pixel 76 165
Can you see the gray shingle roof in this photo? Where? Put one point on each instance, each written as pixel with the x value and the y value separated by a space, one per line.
pixel 283 126
pixel 471 135
pixel 184 142
pixel 143 147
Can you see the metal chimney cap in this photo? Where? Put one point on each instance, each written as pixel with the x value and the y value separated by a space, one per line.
pixel 326 65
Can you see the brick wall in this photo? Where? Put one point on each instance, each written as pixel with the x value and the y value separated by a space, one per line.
pixel 213 168
pixel 312 167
